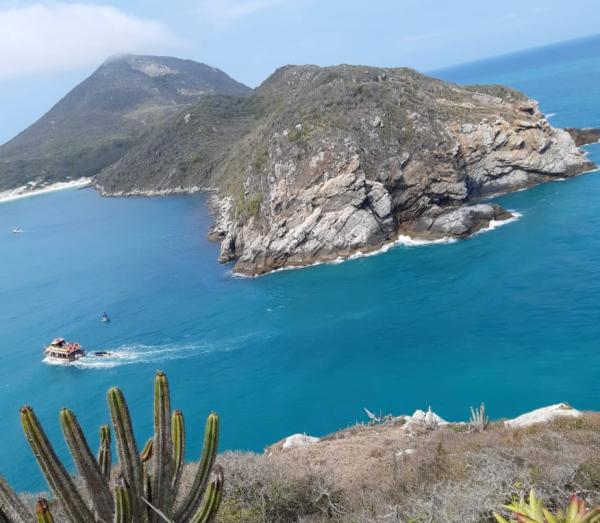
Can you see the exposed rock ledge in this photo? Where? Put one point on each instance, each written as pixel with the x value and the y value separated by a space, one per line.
pixel 584 136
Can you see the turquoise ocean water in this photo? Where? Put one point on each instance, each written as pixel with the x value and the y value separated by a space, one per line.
pixel 510 317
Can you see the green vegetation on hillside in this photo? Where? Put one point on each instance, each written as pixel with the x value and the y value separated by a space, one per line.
pixel 101 118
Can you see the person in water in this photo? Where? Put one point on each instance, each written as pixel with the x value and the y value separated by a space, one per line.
pixel 105 317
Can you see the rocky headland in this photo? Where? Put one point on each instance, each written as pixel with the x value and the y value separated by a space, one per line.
pixel 354 157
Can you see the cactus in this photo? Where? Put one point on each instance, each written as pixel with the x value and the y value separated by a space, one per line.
pixel 191 503
pixel 212 498
pixel 162 495
pixel 104 457
pixel 87 465
pixel 148 483
pixel 131 465
pixel 42 511
pixel 123 512
pixel 178 435
pixel 59 480
pixel 11 507
pixel 146 453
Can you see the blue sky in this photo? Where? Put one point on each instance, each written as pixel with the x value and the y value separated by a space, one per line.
pixel 47 47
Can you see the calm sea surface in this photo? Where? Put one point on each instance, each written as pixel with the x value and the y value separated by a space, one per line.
pixel 510 317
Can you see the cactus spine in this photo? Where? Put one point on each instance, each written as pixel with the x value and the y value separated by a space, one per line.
pixel 192 502
pixel 86 465
pixel 42 512
pixel 11 506
pixel 129 458
pixel 104 455
pixel 178 436
pixel 59 480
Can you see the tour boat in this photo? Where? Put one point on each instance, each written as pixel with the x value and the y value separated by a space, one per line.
pixel 65 351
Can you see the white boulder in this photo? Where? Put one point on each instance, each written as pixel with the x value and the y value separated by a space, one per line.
pixel 298 440
pixel 421 418
pixel 543 415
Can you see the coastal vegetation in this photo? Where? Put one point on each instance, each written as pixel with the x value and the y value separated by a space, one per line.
pixel 534 469
pixel 399 471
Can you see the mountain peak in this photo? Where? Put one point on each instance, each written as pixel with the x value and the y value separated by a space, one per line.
pixel 95 123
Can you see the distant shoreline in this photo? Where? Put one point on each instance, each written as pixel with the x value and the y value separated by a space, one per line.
pixel 25 191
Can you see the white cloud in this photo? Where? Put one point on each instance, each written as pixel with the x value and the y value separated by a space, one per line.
pixel 228 10
pixel 49 37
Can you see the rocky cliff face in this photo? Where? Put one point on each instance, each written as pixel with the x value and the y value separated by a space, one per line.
pixel 346 159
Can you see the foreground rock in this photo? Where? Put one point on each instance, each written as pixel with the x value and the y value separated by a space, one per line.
pixel 321 163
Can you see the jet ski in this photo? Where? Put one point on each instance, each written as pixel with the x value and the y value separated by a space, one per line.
pixel 105 318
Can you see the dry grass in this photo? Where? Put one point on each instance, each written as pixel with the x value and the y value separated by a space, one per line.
pixel 361 475
pixel 358 475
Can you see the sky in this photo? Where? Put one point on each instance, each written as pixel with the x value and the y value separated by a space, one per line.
pixel 47 47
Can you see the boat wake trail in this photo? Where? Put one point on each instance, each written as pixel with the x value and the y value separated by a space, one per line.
pixel 140 353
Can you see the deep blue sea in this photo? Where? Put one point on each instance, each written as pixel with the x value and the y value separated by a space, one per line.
pixel 510 317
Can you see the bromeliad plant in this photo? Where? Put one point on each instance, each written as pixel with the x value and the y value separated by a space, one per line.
pixel 147 487
pixel 534 511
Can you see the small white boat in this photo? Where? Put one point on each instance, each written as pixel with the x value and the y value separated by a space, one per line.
pixel 17 230
pixel 63 351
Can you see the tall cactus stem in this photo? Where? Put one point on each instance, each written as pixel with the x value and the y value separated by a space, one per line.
pixel 11 506
pixel 123 508
pixel 87 466
pixel 178 437
pixel 162 497
pixel 59 480
pixel 192 502
pixel 131 466
pixel 212 498
pixel 42 511
pixel 104 456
